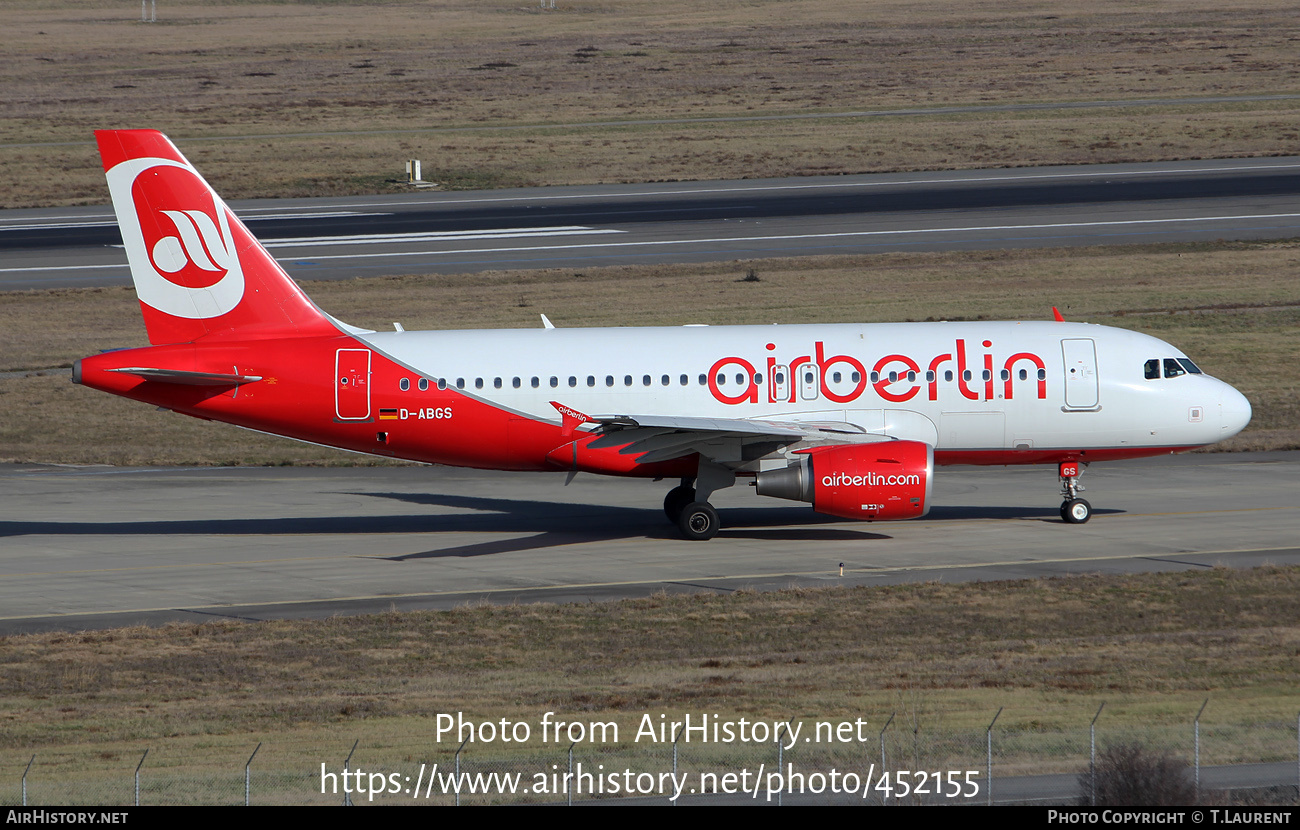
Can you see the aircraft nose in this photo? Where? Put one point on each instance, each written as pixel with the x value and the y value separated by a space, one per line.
pixel 1234 412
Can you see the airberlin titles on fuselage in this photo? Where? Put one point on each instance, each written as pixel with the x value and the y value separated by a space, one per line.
pixel 894 377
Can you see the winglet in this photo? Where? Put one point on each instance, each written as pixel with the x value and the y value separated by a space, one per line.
pixel 571 418
pixel 546 322
pixel 1056 314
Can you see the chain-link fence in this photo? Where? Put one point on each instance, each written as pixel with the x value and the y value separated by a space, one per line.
pixel 889 760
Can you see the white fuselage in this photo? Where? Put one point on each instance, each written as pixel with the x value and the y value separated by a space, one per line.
pixel 1005 386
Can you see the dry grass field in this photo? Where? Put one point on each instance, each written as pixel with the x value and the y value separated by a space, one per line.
pixel 315 98
pixel 1152 646
pixel 1233 307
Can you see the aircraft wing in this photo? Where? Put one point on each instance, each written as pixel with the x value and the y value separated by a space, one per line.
pixel 726 440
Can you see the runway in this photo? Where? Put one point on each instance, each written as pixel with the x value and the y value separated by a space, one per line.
pixel 575 227
pixel 96 547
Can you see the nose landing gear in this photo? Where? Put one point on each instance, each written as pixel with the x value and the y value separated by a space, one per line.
pixel 1074 510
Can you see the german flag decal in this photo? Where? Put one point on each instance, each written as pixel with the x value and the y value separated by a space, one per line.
pixel 388 414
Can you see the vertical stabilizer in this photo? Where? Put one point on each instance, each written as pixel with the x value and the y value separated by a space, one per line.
pixel 198 271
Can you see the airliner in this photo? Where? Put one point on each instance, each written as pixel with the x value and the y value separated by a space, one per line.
pixel 850 418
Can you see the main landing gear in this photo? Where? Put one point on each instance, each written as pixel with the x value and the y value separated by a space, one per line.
pixel 687 505
pixel 697 520
pixel 1074 510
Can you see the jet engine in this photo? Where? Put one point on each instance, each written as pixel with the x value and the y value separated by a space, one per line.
pixel 886 480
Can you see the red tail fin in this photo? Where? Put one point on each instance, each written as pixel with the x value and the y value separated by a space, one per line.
pixel 198 271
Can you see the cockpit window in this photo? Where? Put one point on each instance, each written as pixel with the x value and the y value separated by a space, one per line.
pixel 1191 367
pixel 1173 369
pixel 1152 369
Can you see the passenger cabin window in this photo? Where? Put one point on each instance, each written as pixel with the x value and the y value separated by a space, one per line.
pixel 404 384
pixel 1151 369
pixel 442 383
pixel 460 383
pixel 423 384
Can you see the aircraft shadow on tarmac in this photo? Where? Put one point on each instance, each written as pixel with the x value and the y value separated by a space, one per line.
pixel 552 524
pixel 557 524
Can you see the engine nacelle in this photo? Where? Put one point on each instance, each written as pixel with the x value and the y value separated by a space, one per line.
pixel 886 480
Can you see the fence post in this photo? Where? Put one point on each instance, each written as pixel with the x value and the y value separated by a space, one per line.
pixel 347 764
pixel 1196 740
pixel 677 735
pixel 137 777
pixel 568 788
pixel 989 736
pixel 780 761
pixel 247 775
pixel 456 783
pixel 29 766
pixel 884 769
pixel 1092 756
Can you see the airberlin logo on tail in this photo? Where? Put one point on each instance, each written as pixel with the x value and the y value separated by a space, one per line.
pixel 178 238
pixel 198 243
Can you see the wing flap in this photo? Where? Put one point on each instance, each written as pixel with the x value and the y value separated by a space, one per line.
pixel 655 438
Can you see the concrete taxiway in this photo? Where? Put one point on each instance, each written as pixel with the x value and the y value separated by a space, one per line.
pixel 93 547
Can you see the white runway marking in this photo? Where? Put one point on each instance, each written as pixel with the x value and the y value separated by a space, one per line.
pixel 843 234
pixel 436 236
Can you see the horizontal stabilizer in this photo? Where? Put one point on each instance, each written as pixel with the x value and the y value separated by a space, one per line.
pixel 187 378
